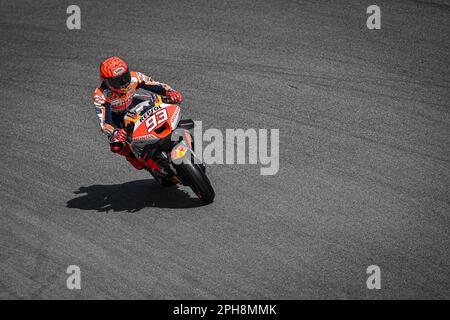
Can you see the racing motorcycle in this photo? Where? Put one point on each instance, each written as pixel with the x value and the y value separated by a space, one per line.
pixel 161 140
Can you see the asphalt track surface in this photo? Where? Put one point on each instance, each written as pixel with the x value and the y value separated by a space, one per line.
pixel 364 173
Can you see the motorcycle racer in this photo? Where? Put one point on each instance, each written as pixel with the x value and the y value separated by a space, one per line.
pixel 116 95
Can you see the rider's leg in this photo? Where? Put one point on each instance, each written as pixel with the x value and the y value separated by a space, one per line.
pixel 131 158
pixel 125 150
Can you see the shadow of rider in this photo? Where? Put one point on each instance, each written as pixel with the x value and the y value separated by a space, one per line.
pixel 131 197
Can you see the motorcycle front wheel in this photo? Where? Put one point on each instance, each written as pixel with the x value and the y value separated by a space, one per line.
pixel 195 177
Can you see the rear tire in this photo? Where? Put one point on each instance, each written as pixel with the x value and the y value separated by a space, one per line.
pixel 193 176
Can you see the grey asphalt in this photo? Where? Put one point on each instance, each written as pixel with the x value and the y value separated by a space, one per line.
pixel 364 172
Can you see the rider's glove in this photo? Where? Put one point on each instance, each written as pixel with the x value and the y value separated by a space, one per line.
pixel 174 96
pixel 120 135
pixel 117 141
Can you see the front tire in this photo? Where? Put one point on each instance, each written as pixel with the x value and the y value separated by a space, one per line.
pixel 193 176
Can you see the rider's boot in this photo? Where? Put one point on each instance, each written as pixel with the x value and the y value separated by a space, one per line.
pixel 131 158
pixel 134 161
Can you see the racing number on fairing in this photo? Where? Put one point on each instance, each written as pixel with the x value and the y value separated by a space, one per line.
pixel 156 119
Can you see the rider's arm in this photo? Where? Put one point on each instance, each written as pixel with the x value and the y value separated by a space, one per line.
pixel 103 111
pixel 147 83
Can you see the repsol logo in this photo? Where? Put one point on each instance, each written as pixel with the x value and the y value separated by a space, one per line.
pixel 150 112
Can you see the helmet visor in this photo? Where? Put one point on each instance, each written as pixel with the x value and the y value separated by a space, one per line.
pixel 119 82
